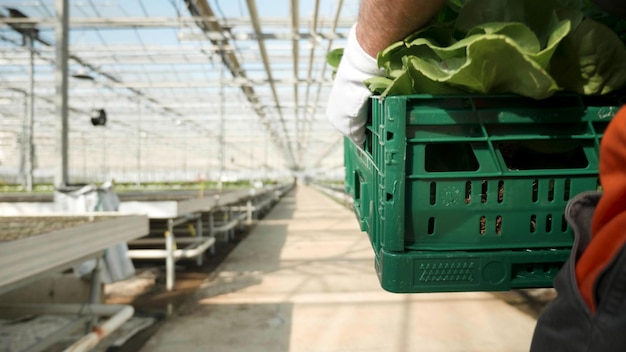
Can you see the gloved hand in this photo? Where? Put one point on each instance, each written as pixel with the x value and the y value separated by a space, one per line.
pixel 347 104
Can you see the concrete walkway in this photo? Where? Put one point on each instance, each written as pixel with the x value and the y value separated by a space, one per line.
pixel 304 280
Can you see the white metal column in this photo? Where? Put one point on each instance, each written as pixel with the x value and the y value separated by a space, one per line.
pixel 61 47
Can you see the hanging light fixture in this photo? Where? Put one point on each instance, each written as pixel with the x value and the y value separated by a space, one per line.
pixel 98 117
pixel 81 73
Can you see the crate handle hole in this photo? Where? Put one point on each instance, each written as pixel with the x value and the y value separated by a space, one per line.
pixel 389 135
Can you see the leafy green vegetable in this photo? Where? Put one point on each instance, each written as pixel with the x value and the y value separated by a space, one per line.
pixel 591 61
pixel 334 57
pixel 494 64
pixel 378 84
pixel 528 47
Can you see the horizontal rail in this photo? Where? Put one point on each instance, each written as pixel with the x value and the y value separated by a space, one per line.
pixel 177 254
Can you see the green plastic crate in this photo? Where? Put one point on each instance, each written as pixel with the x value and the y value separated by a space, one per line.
pixel 467 192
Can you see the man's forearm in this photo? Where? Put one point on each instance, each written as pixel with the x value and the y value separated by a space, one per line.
pixel 382 22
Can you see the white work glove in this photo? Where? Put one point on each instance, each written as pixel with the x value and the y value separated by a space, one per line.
pixel 347 104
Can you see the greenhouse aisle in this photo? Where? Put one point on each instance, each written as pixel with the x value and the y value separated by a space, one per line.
pixel 303 280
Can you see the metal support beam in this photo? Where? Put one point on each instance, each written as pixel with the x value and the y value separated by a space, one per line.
pixel 27 136
pixel 209 24
pixel 311 55
pixel 200 235
pixel 256 24
pixel 95 282
pixel 295 29
pixel 159 22
pixel 319 86
pixel 170 270
pixel 61 31
pixel 190 84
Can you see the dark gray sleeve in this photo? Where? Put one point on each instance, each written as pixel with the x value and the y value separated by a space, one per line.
pixel 567 324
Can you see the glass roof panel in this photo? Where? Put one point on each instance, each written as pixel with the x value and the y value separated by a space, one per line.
pixel 182 90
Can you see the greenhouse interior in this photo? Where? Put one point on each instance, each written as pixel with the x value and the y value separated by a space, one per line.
pixel 171 177
pixel 189 91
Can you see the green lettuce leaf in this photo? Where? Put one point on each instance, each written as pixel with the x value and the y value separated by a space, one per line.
pixel 538 15
pixel 591 60
pixel 494 64
pixel 529 47
pixel 334 57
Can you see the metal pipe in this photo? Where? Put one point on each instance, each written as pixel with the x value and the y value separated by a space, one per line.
pixel 231 233
pixel 222 129
pixel 295 14
pixel 159 22
pixel 233 82
pixel 118 315
pixel 61 31
pixel 177 254
pixel 314 38
pixel 227 226
pixel 139 138
pixel 209 24
pixel 199 233
pixel 249 210
pixel 169 256
pixel 98 309
pixel 62 332
pixel 328 48
pixel 29 121
pixel 184 219
pixel 95 282
pixel 254 16
pixel 131 59
pixel 150 241
pixel 240 218
pixel 99 332
pixel 211 224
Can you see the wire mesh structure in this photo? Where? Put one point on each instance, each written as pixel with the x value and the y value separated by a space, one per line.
pixel 191 89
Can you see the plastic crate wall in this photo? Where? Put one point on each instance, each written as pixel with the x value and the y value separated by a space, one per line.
pixel 463 193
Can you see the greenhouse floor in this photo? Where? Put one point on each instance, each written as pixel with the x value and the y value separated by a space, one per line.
pixel 303 280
